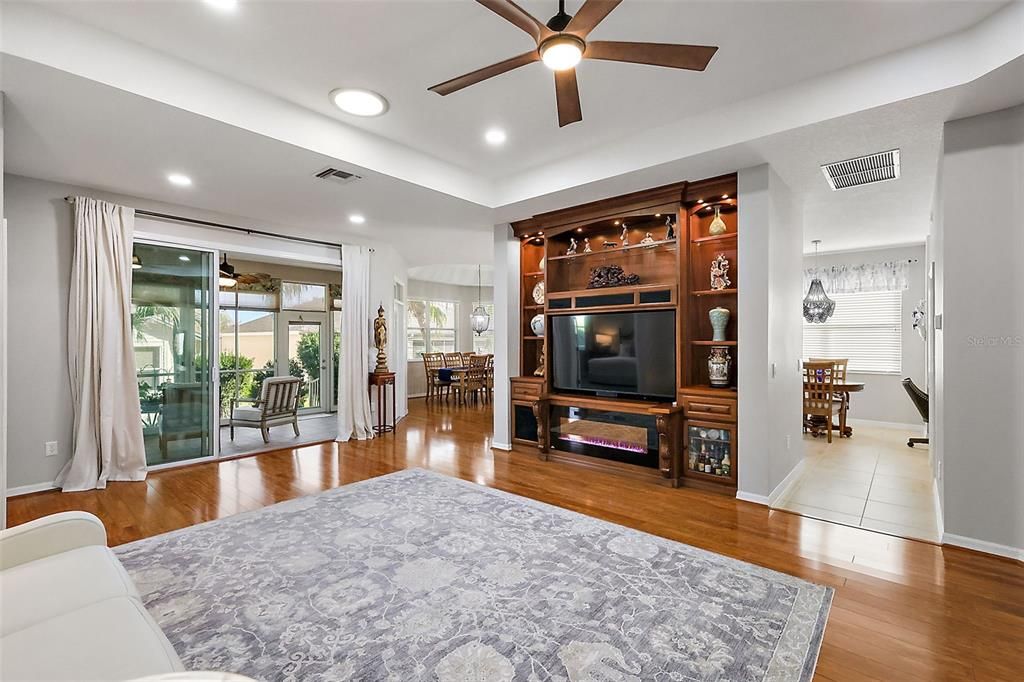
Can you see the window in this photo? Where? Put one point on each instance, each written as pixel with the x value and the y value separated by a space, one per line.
pixel 864 328
pixel 430 327
pixel 301 296
pixel 484 343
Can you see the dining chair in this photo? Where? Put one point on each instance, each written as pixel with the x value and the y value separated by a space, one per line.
pixel 475 378
pixel 490 375
pixel 453 359
pixel 432 362
pixel 819 390
pixel 842 398
pixel 920 400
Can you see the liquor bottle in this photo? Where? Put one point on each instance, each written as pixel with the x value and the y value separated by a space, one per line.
pixel 726 464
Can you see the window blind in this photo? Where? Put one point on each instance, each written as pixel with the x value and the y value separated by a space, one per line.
pixel 865 328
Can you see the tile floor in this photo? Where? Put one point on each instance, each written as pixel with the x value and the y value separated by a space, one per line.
pixel 872 480
pixel 312 429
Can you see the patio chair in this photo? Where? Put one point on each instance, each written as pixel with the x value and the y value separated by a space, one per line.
pixel 278 404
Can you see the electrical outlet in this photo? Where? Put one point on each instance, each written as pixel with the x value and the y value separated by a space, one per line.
pixel 51 448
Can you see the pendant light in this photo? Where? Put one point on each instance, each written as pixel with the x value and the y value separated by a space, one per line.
pixel 226 275
pixel 818 307
pixel 479 320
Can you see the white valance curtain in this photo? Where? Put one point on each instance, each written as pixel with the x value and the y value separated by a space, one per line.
pixel 355 419
pixel 851 279
pixel 108 443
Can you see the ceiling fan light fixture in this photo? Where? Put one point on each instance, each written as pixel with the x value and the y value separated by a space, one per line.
pixel 562 52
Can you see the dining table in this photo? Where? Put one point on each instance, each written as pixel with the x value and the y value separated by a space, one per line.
pixel 842 389
pixel 455 375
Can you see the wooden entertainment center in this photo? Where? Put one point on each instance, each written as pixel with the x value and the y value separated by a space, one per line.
pixel 573 262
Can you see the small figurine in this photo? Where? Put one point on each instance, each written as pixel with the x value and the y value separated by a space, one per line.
pixel 586 245
pixel 572 247
pixel 609 245
pixel 719 273
pixel 624 236
pixel 648 239
pixel 380 341
pixel 670 229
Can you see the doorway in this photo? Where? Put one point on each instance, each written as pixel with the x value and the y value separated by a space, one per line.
pixel 303 347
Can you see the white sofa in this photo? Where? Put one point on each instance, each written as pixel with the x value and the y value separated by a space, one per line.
pixel 69 611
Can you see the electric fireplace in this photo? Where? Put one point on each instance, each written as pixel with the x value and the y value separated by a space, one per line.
pixel 617 436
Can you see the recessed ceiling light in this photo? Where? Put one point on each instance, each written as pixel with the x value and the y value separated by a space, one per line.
pixel 179 179
pixel 495 137
pixel 359 102
pixel 184 259
pixel 223 5
pixel 357 219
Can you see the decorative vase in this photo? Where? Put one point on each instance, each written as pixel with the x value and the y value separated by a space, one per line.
pixel 717 225
pixel 719 319
pixel 537 324
pixel 719 364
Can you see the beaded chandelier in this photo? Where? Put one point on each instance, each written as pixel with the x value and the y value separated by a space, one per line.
pixel 818 307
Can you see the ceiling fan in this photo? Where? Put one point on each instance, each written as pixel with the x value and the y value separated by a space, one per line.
pixel 561 44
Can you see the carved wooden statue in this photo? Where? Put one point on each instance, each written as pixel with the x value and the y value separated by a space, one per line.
pixel 380 341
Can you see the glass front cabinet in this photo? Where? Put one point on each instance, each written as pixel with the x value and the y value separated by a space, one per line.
pixel 710 451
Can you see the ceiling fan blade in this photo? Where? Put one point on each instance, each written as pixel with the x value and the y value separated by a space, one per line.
pixel 692 57
pixel 455 84
pixel 515 14
pixel 590 15
pixel 567 93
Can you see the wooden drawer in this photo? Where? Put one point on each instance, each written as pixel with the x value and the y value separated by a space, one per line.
pixel 709 407
pixel 527 389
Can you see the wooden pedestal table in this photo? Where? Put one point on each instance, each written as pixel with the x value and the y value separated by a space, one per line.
pixel 382 380
pixel 817 425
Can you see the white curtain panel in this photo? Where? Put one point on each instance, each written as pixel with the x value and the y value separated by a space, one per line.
pixel 852 279
pixel 108 444
pixel 354 417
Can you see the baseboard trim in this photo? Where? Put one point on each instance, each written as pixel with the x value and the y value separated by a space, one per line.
pixel 983 546
pixel 938 505
pixel 29 489
pixel 501 446
pixel 784 486
pixel 752 497
pixel 416 395
pixel 887 425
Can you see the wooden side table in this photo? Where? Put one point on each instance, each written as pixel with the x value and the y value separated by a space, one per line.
pixel 382 380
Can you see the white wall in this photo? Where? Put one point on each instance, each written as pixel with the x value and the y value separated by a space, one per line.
pixel 769 333
pixel 3 330
pixel 884 398
pixel 506 330
pixel 981 345
pixel 466 297
pixel 40 240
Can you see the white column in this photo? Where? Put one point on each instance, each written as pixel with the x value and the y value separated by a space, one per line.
pixel 506 330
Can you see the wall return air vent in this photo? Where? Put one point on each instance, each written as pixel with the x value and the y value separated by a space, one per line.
pixel 863 170
pixel 338 176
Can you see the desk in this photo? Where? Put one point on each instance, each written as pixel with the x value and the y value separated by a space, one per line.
pixel 382 380
pixel 844 389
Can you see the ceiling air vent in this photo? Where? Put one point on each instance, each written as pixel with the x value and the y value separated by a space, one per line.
pixel 863 170
pixel 337 175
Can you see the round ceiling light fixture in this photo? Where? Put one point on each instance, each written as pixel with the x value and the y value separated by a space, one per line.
pixel 179 180
pixel 562 52
pixel 357 219
pixel 495 137
pixel 359 102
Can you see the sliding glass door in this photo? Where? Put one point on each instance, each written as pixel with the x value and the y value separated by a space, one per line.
pixel 172 289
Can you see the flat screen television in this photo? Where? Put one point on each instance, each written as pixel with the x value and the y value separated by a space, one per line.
pixel 630 354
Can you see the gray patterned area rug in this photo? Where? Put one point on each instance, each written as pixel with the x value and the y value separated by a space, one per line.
pixel 419 576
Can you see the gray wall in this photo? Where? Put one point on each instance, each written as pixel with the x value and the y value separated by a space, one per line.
pixel 465 297
pixel 769 333
pixel 981 345
pixel 40 239
pixel 884 398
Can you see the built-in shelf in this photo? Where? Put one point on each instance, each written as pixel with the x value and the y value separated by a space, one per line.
pixel 538 273
pixel 534 306
pixel 714 292
pixel 713 343
pixel 714 238
pixel 533 338
pixel 668 244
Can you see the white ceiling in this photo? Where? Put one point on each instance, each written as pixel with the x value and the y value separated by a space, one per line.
pixel 299 51
pixel 458 274
pixel 64 124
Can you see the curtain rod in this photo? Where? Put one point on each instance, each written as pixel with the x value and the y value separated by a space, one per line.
pixel 222 226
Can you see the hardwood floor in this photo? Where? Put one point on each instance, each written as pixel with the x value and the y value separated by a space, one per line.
pixel 903 610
